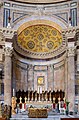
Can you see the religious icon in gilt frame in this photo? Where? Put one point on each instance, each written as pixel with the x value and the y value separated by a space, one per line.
pixel 40 80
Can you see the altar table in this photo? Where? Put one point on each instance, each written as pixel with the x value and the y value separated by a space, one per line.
pixel 37 113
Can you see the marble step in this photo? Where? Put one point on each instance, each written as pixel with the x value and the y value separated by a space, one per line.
pixel 25 117
pixel 49 118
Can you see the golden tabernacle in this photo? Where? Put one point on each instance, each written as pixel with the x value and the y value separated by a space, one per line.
pixel 37 113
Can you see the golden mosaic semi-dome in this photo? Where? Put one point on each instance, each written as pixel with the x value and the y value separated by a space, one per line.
pixel 40 38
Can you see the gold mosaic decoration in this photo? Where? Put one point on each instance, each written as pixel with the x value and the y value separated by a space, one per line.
pixel 40 38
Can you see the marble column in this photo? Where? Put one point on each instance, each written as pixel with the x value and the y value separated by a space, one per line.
pixel 71 78
pixel 7 76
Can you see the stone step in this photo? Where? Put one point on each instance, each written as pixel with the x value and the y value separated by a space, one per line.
pixel 49 118
pixel 22 116
pixel 25 117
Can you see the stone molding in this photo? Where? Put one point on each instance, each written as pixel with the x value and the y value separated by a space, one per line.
pixel 2 38
pixel 71 51
pixel 70 32
pixel 8 51
pixel 41 1
pixel 58 52
pixel 77 36
pixel 40 10
pixel 7 32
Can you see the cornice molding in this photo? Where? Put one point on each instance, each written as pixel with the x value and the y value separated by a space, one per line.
pixel 7 32
pixel 41 1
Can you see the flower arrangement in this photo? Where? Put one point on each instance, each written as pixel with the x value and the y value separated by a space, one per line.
pixel 67 108
pixel 67 102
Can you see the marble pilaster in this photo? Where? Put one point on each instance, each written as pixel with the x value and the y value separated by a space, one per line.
pixel 50 77
pixel 71 78
pixel 7 77
pixel 66 78
pixel 30 77
pixel 77 60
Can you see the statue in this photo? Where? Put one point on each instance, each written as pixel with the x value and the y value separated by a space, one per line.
pixel 13 105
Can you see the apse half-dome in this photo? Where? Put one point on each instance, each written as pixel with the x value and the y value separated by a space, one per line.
pixel 40 38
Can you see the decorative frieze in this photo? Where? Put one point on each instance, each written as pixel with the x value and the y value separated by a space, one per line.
pixel 70 32
pixel 8 33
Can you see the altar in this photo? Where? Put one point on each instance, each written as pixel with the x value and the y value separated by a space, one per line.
pixel 32 104
pixel 37 113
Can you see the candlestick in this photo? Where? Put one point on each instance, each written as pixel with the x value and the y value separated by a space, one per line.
pixel 25 99
pixel 20 99
pixel 64 99
pixel 53 99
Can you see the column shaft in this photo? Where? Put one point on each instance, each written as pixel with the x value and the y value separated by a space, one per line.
pixel 71 79
pixel 7 77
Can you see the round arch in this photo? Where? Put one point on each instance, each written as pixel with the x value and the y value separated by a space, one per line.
pixel 53 20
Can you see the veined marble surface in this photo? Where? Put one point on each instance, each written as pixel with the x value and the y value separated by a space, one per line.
pixel 23 116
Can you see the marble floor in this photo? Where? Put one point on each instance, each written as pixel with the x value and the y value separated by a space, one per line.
pixel 50 117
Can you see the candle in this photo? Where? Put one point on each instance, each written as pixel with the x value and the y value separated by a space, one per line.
pixel 13 92
pixel 64 99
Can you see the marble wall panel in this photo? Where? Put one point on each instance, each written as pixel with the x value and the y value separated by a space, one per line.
pixel 59 77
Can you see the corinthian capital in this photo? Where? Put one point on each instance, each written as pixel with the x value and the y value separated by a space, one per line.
pixel 71 51
pixel 8 51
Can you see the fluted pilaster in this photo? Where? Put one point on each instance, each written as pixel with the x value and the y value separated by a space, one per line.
pixel 71 78
pixel 7 78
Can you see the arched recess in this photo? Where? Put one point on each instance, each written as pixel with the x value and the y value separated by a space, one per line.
pixel 50 73
pixel 46 53
pixel 52 18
